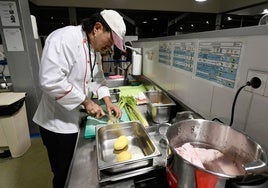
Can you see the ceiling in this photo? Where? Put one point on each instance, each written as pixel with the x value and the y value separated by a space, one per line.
pixel 210 6
pixel 173 16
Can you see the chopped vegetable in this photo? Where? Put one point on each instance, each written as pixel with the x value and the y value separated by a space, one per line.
pixel 130 105
pixel 112 119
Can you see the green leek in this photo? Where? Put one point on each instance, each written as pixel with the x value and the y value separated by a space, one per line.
pixel 130 105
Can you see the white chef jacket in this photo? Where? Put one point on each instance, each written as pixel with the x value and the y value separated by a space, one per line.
pixel 65 78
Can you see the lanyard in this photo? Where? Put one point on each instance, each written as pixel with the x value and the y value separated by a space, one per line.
pixel 89 54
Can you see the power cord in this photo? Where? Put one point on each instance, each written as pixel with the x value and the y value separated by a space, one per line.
pixel 255 83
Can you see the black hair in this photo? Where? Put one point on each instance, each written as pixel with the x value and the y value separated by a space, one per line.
pixel 88 23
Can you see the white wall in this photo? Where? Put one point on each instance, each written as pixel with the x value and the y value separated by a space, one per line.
pixel 213 100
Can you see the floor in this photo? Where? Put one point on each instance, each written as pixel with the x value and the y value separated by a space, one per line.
pixel 31 170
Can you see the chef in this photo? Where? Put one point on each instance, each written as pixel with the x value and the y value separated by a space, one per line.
pixel 70 72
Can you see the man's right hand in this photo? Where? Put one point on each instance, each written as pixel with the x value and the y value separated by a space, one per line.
pixel 93 109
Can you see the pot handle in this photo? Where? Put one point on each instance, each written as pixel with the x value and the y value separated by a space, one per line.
pixel 161 130
pixel 257 167
pixel 184 115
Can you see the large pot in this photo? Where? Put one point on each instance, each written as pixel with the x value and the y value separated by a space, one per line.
pixel 235 145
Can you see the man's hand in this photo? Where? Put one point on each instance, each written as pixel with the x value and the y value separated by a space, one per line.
pixel 112 109
pixel 93 109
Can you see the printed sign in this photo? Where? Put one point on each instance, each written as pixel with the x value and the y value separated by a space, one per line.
pixel 9 13
pixel 183 56
pixel 218 62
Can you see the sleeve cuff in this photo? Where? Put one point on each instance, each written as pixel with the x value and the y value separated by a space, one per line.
pixel 103 91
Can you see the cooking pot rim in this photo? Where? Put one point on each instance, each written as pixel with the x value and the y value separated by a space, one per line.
pixel 178 123
pixel 222 124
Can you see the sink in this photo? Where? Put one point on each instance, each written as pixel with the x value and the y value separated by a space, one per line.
pixel 113 83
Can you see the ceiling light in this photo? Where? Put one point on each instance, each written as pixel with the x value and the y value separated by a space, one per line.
pixel 145 22
pixel 200 0
pixel 265 11
pixel 192 25
pixel 207 22
pixel 229 18
pixel 155 19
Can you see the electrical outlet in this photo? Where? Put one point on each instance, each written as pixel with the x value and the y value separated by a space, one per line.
pixel 261 75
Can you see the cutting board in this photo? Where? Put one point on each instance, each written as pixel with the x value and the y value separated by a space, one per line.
pixel 91 123
pixel 131 90
pixel 136 92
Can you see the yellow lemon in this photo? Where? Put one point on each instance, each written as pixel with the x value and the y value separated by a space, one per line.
pixel 123 156
pixel 121 142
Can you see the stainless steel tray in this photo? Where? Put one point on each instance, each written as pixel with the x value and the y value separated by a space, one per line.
pixel 140 145
pixel 159 106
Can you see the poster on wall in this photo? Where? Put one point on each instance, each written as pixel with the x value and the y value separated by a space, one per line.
pixel 165 50
pixel 13 39
pixel 9 13
pixel 183 55
pixel 218 61
pixel 150 57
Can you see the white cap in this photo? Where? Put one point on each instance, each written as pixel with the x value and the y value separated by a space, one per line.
pixel 117 25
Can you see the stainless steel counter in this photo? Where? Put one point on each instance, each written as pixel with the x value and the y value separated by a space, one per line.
pixel 83 170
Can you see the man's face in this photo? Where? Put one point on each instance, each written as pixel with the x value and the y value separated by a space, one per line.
pixel 103 40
